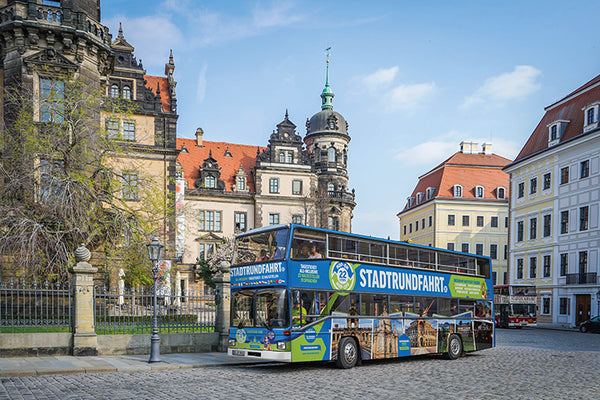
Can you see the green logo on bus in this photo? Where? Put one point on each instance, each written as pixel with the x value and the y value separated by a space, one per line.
pixel 342 276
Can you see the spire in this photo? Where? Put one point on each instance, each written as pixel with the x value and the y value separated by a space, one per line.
pixel 327 94
pixel 120 35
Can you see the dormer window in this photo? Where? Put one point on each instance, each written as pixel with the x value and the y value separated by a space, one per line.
pixel 555 131
pixel 241 183
pixel 479 191
pixel 591 116
pixel 457 190
pixel 410 201
pixel 209 182
pixel 419 197
pixel 501 193
pixel 430 192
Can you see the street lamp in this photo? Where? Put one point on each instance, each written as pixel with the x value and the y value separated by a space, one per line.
pixel 154 252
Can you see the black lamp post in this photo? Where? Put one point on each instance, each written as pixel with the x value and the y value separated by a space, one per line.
pixel 154 252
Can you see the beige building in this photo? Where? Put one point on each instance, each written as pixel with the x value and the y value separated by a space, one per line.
pixel 462 205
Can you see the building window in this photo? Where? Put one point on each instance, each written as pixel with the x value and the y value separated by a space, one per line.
pixel 519 268
pixel 331 155
pixel 532 267
pixel 210 182
pixel 494 222
pixel 239 219
pixel 583 218
pixel 297 219
pixel 532 228
pixel 333 223
pixel 430 221
pixel 241 182
pixel 479 249
pixel 464 247
pixel 547 181
pixel 554 132
pixel 410 228
pixel 493 251
pixel 506 222
pixel 547 225
pixel 50 184
pixel 479 191
pixel 532 185
pixel 209 221
pixel 126 92
pixel 583 260
pixel 457 191
pixel 451 220
pixel 273 219
pixel 130 186
pixel 505 251
pixel 422 223
pixel 416 226
pixel 584 169
pixel 501 193
pixel 281 157
pixel 564 221
pixel 521 190
pixel 289 157
pixel 546 305
pixel 52 96
pixel 546 266
pixel 564 264
pixel 519 231
pixel 480 220
pixel 112 128
pixel 129 130
pixel 274 185
pixel 404 230
pixel 450 246
pixel 296 186
pixel 564 175
pixel 494 277
pixel 331 188
pixel 564 305
pixel 465 220
pixel 114 91
pixel 590 116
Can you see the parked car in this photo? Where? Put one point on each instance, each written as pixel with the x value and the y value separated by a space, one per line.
pixel 591 325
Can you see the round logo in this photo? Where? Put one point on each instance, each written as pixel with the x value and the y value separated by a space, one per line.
pixel 310 335
pixel 341 276
pixel 240 335
pixel 271 335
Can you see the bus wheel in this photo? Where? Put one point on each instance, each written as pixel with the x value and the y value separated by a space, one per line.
pixel 455 347
pixel 347 353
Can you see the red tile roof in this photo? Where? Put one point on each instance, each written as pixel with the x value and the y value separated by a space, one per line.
pixel 468 170
pixel 165 95
pixel 568 108
pixel 241 155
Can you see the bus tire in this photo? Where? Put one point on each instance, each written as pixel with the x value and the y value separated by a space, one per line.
pixel 455 347
pixel 347 353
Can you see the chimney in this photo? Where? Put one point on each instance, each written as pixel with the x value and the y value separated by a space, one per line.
pixel 486 148
pixel 199 134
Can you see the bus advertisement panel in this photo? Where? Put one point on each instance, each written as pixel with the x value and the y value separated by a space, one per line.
pixel 321 308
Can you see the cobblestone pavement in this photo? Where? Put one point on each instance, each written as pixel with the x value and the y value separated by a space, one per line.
pixel 525 365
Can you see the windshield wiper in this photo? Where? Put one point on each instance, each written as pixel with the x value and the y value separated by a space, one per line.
pixel 265 324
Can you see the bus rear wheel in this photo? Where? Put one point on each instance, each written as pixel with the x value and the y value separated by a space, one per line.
pixel 455 347
pixel 347 353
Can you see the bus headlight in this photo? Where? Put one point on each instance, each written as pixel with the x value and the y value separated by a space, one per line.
pixel 280 345
pixel 231 342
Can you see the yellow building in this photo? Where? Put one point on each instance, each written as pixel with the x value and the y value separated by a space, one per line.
pixel 462 205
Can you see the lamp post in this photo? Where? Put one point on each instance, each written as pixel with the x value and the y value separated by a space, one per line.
pixel 154 252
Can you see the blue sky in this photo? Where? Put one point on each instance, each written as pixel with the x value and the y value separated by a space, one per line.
pixel 413 78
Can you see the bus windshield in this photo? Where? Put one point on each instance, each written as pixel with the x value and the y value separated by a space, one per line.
pixel 262 246
pixel 263 308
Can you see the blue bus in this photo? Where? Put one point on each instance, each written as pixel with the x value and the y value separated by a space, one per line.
pixel 301 293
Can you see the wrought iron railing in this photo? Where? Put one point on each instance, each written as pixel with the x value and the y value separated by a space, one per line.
pixel 579 279
pixel 32 307
pixel 123 311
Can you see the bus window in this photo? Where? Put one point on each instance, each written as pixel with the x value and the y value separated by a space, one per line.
pixel 374 304
pixel 426 259
pixel 466 306
pixel 426 306
pixel 402 304
pixel 307 244
pixel 262 246
pixel 483 309
pixel 241 310
pixel 447 306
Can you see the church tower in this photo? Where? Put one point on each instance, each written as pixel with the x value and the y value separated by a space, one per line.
pixel 327 143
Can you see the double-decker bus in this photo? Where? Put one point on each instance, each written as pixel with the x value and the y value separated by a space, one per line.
pixel 515 306
pixel 306 294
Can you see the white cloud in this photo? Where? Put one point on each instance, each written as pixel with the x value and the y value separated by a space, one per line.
pixel 279 14
pixel 383 76
pixel 523 80
pixel 409 97
pixel 201 86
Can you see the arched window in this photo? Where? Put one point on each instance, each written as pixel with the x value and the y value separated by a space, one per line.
pixel 330 187
pixel 49 16
pixel 331 155
pixel 457 191
pixel 126 92
pixel 289 157
pixel 209 181
pixel 479 191
pixel 114 91
pixel 282 157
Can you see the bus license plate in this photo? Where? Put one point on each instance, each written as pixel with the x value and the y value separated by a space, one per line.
pixel 238 352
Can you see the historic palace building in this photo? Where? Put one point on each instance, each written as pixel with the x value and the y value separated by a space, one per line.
pixel 554 203
pixel 462 205
pixel 224 188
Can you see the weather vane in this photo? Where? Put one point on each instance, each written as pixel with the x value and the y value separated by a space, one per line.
pixel 327 50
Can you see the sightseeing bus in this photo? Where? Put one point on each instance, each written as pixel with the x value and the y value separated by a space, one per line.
pixel 515 306
pixel 301 294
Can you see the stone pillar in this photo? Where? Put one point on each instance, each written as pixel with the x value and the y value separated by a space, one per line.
pixel 85 341
pixel 223 288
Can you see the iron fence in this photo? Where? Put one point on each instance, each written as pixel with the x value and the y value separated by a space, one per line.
pixel 32 307
pixel 128 311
